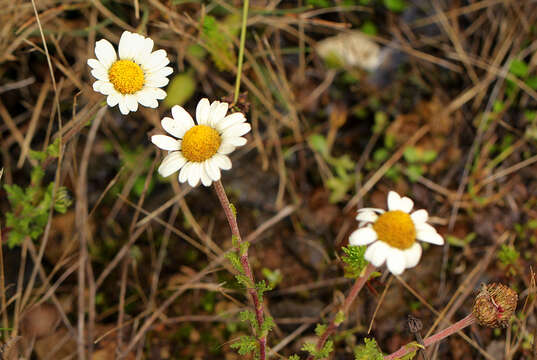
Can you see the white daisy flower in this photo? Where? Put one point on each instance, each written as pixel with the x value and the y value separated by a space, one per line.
pixel 200 151
pixel 391 235
pixel 135 77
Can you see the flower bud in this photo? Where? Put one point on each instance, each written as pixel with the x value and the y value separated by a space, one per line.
pixel 494 305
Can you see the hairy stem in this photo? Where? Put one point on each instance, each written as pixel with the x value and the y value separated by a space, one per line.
pixel 459 325
pixel 358 285
pixel 232 220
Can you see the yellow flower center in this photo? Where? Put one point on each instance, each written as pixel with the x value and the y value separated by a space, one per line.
pixel 126 76
pixel 200 143
pixel 396 228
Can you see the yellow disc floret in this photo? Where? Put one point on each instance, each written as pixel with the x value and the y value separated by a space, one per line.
pixel 126 76
pixel 396 228
pixel 200 143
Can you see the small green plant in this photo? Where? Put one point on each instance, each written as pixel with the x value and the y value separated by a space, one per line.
pixel 458 242
pixel 30 206
pixel 417 160
pixel 354 260
pixel 368 351
pixel 249 344
pixel 310 348
pixel 508 256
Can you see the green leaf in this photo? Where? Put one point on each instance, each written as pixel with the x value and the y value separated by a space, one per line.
pixel 261 287
pixel 218 38
pixel 267 326
pixel 243 248
pixel 368 351
pixel 273 277
pixel 320 329
pixel 411 154
pixel 369 28
pixel 532 82
pixel 62 200
pixel 519 68
pixel 340 317
pixel 309 347
pixel 235 261
pixel 414 172
pixel 244 281
pixel 395 5
pixel 181 89
pixel 249 316
pixel 354 260
pixel 53 150
pixel 245 345
pixel 37 155
pixel 318 143
pixel 381 120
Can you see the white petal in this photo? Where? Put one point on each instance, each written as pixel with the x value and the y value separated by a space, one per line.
pixel 225 149
pixel 112 100
pixel 235 141
pixel 127 49
pixel 165 142
pixel 419 216
pixel 230 120
pixel 237 130
pixel 157 60
pixel 95 64
pixel 174 127
pixel 156 81
pixel 396 261
pixel 171 163
pixel 367 216
pixel 428 234
pixel 205 178
pixel 212 169
pixel 104 87
pixel 363 236
pixel 194 174
pixel 162 72
pixel 123 105
pixel 144 51
pixel 406 204
pixel 105 53
pixel 222 161
pixel 376 253
pixel 380 211
pixel 132 102
pixel 218 112
pixel 202 111
pixel 100 74
pixel 146 97
pixel 183 174
pixel 182 117
pixel 393 201
pixel 412 255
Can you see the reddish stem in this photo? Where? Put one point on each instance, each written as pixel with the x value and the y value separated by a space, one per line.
pixel 358 285
pixel 232 220
pixel 459 325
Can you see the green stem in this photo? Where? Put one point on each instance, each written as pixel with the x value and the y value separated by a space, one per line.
pixel 241 49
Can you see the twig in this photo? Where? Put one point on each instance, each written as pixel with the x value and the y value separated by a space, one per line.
pixel 459 325
pixel 224 201
pixel 358 285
